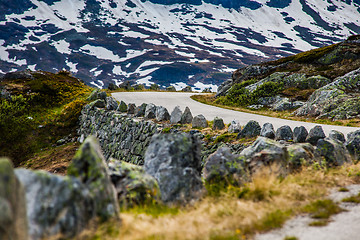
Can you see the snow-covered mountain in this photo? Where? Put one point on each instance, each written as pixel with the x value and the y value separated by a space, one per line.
pixel 169 42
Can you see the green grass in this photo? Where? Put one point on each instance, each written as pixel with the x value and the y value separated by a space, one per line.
pixel 322 210
pixel 153 209
pixel 352 199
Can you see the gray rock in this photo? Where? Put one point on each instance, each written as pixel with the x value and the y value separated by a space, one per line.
pixel 99 103
pixel 315 134
pixel 234 127
pixel 162 114
pixel 284 133
pixel 223 166
pixel 337 135
pixel 199 121
pixel 186 117
pixel 171 89
pixel 186 89
pixel 131 108
pixel 218 124
pixel 353 144
pixel 334 152
pixel 56 205
pixel 13 219
pixel 97 94
pixel 299 155
pixel 111 104
pixel 267 131
pixel 132 184
pixel 256 106
pixel 353 134
pixel 150 111
pixel 300 134
pixel 251 129
pixel 269 101
pixel 122 107
pixel 174 160
pixel 176 115
pixel 285 104
pixel 314 82
pixel 140 110
pixel 90 167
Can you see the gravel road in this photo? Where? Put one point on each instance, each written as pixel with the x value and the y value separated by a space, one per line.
pixel 171 99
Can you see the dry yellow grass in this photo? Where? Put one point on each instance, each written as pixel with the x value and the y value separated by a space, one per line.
pixel 237 213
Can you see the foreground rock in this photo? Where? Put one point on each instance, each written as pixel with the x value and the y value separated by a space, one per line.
pixel 334 152
pixel 199 121
pixel 186 117
pixel 301 154
pixel 133 185
pixel 176 115
pixel 234 127
pixel 162 114
pixel 13 220
pixel 218 124
pixel 315 134
pixel 353 144
pixel 284 133
pixel 300 134
pixel 267 131
pixel 174 160
pixel 251 129
pixel 90 167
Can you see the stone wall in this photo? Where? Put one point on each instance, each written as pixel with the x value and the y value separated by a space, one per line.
pixel 120 137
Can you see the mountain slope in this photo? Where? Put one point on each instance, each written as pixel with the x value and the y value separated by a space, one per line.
pixel 174 42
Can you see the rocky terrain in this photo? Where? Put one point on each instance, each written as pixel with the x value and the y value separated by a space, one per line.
pixel 179 43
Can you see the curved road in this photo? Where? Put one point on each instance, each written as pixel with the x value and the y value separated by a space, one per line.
pixel 171 99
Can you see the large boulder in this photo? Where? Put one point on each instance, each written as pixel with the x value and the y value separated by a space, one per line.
pixel 234 127
pixel 131 108
pixel 186 117
pixel 223 166
pixel 337 135
pixel 218 124
pixel 300 134
pixel 162 114
pixel 99 103
pixel 90 167
pixel 111 104
pixel 174 160
pixel 13 219
pixel 353 144
pixel 267 131
pixel 299 155
pixel 97 94
pixel 150 111
pixel 56 205
pixel 199 121
pixel 285 104
pixel 133 185
pixel 140 110
pixel 176 115
pixel 122 107
pixel 315 134
pixel 334 152
pixel 251 129
pixel 284 133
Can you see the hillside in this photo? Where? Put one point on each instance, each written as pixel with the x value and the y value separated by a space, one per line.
pixel 177 42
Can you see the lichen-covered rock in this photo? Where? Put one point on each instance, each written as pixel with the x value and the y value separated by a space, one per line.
pixel 299 155
pixel 223 166
pixel 337 135
pixel 97 94
pixel 315 134
pixel 285 104
pixel 111 104
pixel 265 152
pixel 234 127
pixel 186 117
pixel 199 121
pixel 251 129
pixel 174 160
pixel 90 167
pixel 171 89
pixel 140 110
pixel 353 144
pixel 131 108
pixel 300 134
pixel 334 152
pixel 267 131
pixel 218 124
pixel 313 82
pixel 122 107
pixel 162 114
pixel 186 89
pixel 13 219
pixel 150 111
pixel 176 115
pixel 133 185
pixel 284 133
pixel 56 205
pixel 99 103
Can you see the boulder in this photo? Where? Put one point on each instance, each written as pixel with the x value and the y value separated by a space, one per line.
pixel 13 219
pixel 150 111
pixel 314 82
pixel 111 104
pixel 56 205
pixel 90 167
pixel 223 166
pixel 284 133
pixel 186 89
pixel 122 107
pixel 334 152
pixel 300 134
pixel 299 155
pixel 251 129
pixel 218 124
pixel 353 144
pixel 97 94
pixel 176 115
pixel 140 110
pixel 315 134
pixel 171 89
pixel 131 108
pixel 174 160
pixel 162 114
pixel 99 103
pixel 234 127
pixel 199 121
pixel 267 131
pixel 285 104
pixel 186 117
pixel 337 135
pixel 133 185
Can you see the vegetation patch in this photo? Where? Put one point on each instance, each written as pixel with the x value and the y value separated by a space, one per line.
pixel 322 210
pixel 352 199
